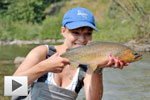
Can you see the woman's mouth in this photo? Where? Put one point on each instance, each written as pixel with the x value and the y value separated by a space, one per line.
pixel 77 44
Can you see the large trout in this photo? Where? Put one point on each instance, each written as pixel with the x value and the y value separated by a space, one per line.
pixel 97 53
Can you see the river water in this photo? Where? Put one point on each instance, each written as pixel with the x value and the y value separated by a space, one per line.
pixel 131 83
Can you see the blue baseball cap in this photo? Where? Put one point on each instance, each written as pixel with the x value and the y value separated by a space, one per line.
pixel 79 17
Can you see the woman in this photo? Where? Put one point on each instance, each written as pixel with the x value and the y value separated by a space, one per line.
pixel 52 78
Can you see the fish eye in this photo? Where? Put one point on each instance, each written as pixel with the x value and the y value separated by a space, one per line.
pixel 135 53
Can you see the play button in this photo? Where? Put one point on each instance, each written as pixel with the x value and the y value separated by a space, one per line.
pixel 15 85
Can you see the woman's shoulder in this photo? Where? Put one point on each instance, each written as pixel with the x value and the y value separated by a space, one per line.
pixel 40 50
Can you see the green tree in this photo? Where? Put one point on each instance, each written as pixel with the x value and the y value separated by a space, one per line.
pixel 26 10
pixel 3 6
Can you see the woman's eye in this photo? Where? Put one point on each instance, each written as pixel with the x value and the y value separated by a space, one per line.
pixel 89 33
pixel 76 33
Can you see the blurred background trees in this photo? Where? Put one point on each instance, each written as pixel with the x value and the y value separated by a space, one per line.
pixel 117 20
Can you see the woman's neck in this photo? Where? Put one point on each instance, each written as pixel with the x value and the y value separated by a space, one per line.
pixel 61 48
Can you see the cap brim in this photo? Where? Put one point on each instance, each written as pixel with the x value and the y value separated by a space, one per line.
pixel 75 25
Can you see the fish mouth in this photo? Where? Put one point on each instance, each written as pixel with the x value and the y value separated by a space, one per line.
pixel 138 57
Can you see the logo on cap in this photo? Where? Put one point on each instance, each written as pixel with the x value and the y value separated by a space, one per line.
pixel 82 14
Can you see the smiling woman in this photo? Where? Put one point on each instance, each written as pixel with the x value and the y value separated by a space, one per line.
pixel 79 36
pixel 49 74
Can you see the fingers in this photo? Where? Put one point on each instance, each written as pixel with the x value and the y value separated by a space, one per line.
pixel 56 54
pixel 116 63
pixel 65 61
pixel 111 61
pixel 58 70
pixel 57 62
pixel 121 64
pixel 127 64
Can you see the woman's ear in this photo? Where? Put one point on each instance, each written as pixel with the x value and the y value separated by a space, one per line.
pixel 63 30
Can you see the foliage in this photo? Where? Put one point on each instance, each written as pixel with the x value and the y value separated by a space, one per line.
pixel 3 6
pixel 135 10
pixel 115 30
pixel 125 20
pixel 51 28
pixel 18 20
pixel 26 10
pixel 18 30
pixel 117 20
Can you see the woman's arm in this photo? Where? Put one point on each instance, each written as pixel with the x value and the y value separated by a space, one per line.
pixel 93 83
pixel 35 65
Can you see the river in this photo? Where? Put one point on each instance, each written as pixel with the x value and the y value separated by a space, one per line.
pixel 131 83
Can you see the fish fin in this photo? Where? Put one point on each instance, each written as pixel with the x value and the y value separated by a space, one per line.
pixel 93 67
pixel 70 49
pixel 74 65
pixel 92 42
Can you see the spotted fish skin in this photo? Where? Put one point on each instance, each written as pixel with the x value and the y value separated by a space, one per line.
pixel 96 53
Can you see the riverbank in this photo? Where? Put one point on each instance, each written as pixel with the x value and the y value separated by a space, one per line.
pixel 26 42
pixel 142 47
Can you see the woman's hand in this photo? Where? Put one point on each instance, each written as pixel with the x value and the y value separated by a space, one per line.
pixel 55 63
pixel 114 63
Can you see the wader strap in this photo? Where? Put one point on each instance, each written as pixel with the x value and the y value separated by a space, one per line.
pixel 52 51
pixel 42 78
pixel 83 69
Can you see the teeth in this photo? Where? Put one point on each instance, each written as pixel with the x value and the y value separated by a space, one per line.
pixel 78 44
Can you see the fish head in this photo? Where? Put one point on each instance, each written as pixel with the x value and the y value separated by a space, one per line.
pixel 129 56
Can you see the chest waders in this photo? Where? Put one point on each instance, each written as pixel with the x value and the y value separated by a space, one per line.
pixel 42 91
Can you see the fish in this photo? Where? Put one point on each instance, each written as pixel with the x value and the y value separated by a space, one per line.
pixel 97 53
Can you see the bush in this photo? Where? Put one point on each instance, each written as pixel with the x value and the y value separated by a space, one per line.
pixel 26 10
pixel 18 30
pixel 51 28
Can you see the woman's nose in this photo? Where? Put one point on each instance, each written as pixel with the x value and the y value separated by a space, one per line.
pixel 81 38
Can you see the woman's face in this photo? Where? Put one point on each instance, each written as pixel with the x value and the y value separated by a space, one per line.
pixel 77 37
